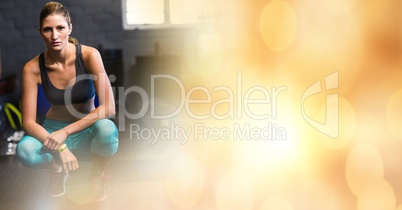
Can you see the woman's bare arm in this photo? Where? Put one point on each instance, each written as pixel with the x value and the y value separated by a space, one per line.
pixel 30 81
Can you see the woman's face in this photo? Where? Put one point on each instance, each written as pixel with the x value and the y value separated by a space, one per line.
pixel 55 31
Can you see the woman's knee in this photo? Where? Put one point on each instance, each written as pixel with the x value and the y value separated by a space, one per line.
pixel 24 150
pixel 105 141
pixel 28 152
pixel 105 130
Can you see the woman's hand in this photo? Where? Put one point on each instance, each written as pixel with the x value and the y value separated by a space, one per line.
pixel 68 160
pixel 55 139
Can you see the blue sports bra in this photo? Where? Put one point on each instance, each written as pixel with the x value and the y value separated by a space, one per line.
pixel 82 90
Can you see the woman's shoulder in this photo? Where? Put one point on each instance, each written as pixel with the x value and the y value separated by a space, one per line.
pixel 31 72
pixel 91 57
pixel 32 66
pixel 88 52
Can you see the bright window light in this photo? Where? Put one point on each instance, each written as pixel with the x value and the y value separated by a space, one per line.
pixel 145 12
pixel 165 13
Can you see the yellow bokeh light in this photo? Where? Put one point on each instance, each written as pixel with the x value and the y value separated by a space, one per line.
pixel 276 203
pixel 394 114
pixel 320 193
pixel 278 147
pixel 378 194
pixel 278 25
pixel 264 155
pixel 234 192
pixel 185 182
pixel 363 165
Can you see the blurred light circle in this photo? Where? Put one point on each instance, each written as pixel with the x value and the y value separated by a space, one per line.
pixel 185 182
pixel 278 25
pixel 394 114
pixel 378 194
pixel 234 192
pixel 319 192
pixel 276 203
pixel 363 165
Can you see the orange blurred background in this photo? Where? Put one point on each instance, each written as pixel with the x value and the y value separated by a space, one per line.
pixel 295 44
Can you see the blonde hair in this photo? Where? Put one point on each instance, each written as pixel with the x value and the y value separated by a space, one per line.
pixel 53 7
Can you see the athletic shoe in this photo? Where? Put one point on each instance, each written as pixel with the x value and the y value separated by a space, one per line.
pixel 57 183
pixel 97 187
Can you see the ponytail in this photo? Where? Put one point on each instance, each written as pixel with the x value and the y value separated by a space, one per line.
pixel 73 40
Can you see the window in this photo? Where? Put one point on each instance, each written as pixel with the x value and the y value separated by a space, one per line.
pixel 165 13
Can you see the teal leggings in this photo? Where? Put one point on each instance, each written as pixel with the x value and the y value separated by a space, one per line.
pixel 101 139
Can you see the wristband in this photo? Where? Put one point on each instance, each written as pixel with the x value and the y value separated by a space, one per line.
pixel 62 147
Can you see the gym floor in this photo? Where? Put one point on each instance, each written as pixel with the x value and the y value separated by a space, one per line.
pixel 136 181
